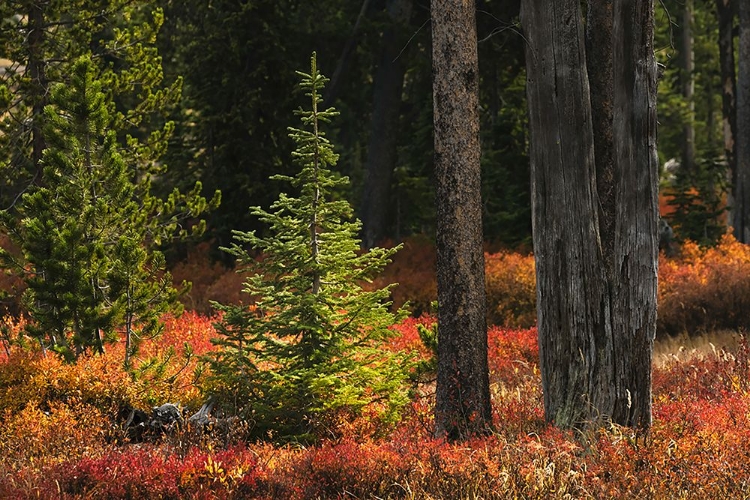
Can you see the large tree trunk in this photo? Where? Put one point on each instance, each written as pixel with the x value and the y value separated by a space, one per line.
pixel 634 284
pixel 381 151
pixel 741 210
pixel 594 206
pixel 725 11
pixel 462 404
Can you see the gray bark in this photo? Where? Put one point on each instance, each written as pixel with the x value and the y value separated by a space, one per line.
pixel 599 57
pixel 741 212
pixel 594 206
pixel 634 287
pixel 382 148
pixel 462 404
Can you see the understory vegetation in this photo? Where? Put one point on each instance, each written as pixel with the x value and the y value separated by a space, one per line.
pixel 62 430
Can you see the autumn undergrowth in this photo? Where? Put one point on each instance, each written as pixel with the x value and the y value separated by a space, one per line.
pixel 59 437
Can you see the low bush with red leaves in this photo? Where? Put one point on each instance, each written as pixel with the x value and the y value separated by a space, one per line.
pixel 59 433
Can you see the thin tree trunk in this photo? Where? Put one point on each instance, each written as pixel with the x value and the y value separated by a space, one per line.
pixel 688 88
pixel 462 405
pixel 37 73
pixel 742 186
pixel 382 148
pixel 725 12
pixel 346 56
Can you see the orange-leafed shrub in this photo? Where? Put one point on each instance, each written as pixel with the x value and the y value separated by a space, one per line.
pixel 511 289
pixel 51 410
pixel 11 284
pixel 413 268
pixel 697 447
pixel 54 432
pixel 510 283
pixel 211 280
pixel 705 289
pixel 27 377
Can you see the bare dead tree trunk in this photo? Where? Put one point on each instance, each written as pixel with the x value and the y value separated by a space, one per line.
pixel 634 284
pixel 594 206
pixel 741 211
pixel 462 404
pixel 599 58
pixel 384 132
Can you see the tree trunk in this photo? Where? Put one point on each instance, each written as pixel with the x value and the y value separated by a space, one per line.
pixel 634 285
pixel 381 151
pixel 599 57
pixel 594 206
pixel 345 59
pixel 741 210
pixel 688 88
pixel 462 406
pixel 725 12
pixel 39 84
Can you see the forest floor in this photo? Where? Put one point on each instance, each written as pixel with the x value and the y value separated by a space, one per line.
pixel 58 439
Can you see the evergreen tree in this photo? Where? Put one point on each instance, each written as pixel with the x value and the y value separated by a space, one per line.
pixel 310 345
pixel 40 40
pixel 83 232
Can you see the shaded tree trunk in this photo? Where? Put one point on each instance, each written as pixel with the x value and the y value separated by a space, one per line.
pixel 741 212
pixel 346 57
pixel 725 11
pixel 37 73
pixel 688 88
pixel 462 404
pixel 594 206
pixel 381 151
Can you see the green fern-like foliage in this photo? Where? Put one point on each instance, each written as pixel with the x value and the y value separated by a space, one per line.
pixel 310 348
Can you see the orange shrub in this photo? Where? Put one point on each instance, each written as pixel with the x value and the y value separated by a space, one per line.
pixel 511 289
pixel 705 289
pixel 11 285
pixel 510 283
pixel 413 268
pixel 211 280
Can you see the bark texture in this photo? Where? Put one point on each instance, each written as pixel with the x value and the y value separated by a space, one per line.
pixel 382 148
pixel 741 210
pixel 594 206
pixel 634 287
pixel 725 13
pixel 599 57
pixel 462 404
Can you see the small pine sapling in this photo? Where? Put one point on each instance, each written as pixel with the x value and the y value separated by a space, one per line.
pixel 311 346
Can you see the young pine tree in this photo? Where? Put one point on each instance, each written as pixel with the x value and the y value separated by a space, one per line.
pixel 83 233
pixel 311 346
